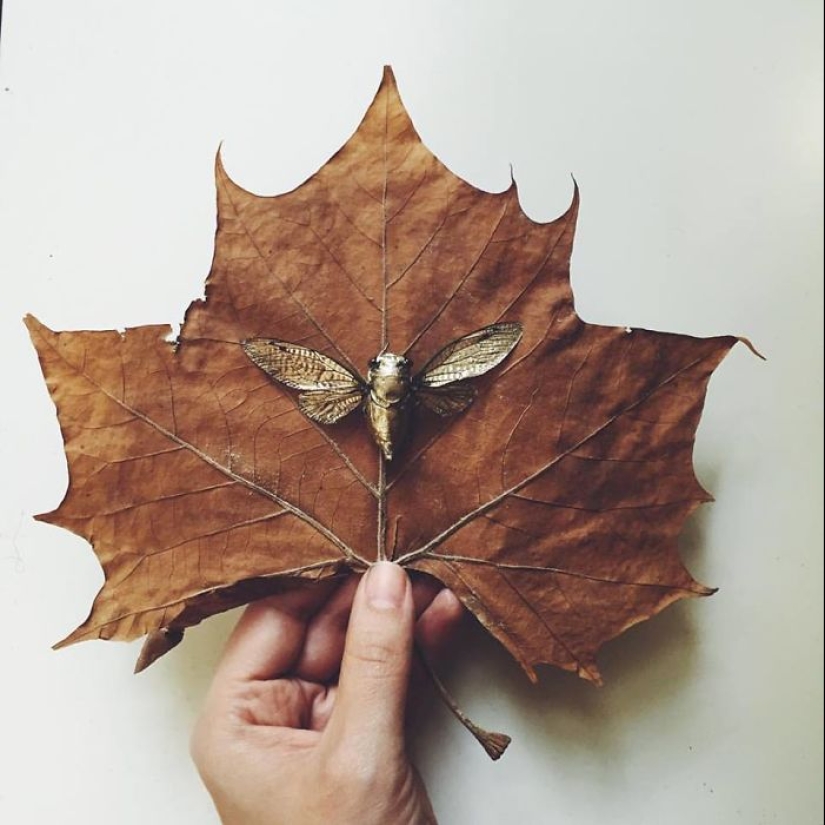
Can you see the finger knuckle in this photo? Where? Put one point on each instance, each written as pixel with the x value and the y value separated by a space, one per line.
pixel 376 656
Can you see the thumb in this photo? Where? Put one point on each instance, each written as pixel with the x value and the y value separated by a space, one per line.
pixel 369 709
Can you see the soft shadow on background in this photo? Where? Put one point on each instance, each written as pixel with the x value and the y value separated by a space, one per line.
pixel 646 666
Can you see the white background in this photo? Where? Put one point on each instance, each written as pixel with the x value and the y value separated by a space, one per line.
pixel 694 131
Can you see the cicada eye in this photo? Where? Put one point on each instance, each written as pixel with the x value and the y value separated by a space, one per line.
pixel 373 363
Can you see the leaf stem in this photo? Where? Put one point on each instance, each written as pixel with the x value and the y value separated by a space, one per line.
pixel 381 550
pixel 493 743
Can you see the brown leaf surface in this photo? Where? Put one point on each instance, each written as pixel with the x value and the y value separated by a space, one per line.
pixel 552 506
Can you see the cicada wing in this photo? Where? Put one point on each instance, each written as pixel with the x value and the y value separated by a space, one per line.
pixel 330 390
pixel 447 400
pixel 329 406
pixel 470 356
pixel 300 367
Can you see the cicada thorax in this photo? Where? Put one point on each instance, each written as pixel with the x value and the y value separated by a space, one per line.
pixel 389 402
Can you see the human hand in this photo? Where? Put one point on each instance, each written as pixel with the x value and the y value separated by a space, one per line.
pixel 282 740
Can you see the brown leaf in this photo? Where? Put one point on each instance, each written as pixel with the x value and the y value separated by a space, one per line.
pixel 552 506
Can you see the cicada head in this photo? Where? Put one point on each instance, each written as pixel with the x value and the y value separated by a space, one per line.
pixel 389 377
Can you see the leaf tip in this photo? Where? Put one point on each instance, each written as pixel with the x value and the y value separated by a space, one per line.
pixel 749 344
pixel 590 673
pixel 574 204
pixel 157 643
pixel 73 637
pixel 529 670
pixel 220 169
pixel 388 83
pixel 33 324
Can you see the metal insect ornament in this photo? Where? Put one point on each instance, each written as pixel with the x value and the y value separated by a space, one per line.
pixel 330 391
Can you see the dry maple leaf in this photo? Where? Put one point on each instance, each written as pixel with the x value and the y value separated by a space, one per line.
pixel 551 506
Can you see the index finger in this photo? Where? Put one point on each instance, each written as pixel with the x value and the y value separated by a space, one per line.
pixel 270 635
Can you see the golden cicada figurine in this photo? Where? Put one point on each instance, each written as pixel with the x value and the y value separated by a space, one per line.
pixel 329 391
